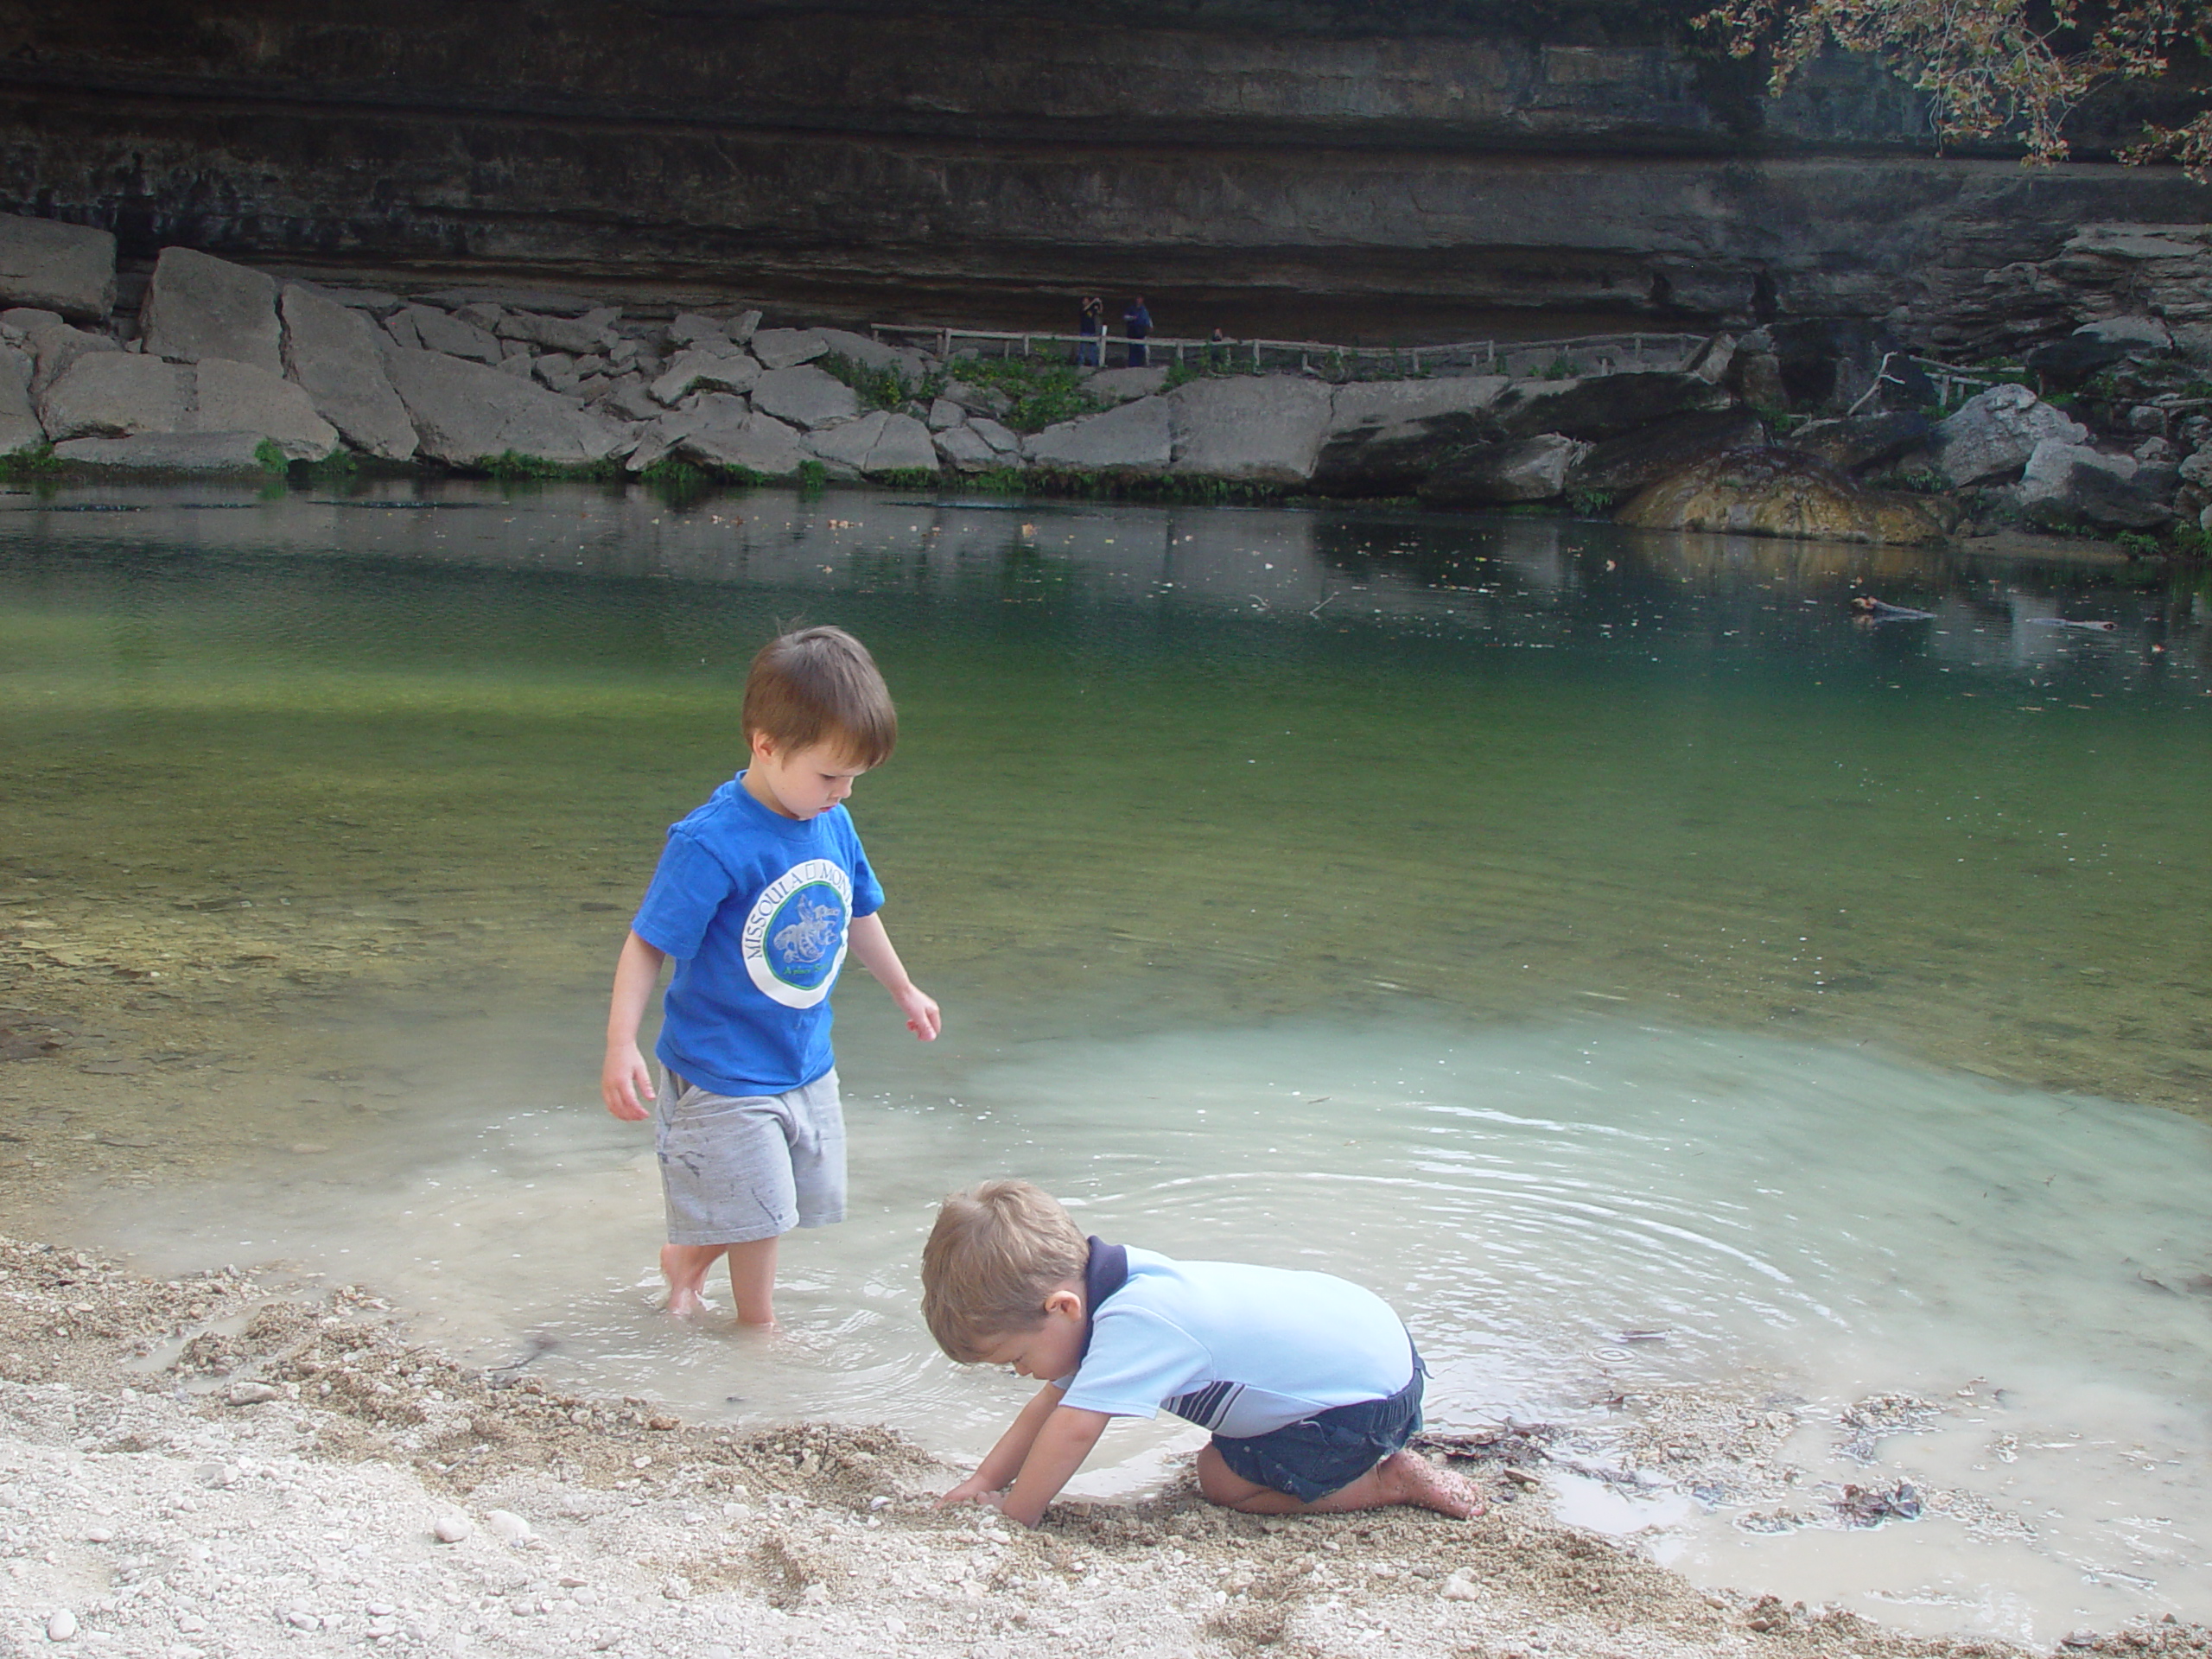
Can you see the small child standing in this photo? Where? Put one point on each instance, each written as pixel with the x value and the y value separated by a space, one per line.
pixel 1310 1383
pixel 758 895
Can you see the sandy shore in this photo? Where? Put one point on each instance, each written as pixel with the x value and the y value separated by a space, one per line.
pixel 231 1465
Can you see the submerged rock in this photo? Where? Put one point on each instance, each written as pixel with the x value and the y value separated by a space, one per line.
pixel 1779 493
pixel 232 453
pixel 198 306
pixel 68 269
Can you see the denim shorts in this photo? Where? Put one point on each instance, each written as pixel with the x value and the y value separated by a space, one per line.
pixel 1330 1449
pixel 734 1169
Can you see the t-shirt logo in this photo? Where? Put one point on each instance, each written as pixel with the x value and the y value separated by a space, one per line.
pixel 795 934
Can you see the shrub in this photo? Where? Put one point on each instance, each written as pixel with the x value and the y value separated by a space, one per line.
pixel 1044 394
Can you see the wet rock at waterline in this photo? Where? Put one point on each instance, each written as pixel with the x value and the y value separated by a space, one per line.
pixel 333 351
pixel 235 453
pixel 2064 484
pixel 1620 466
pixel 1779 493
pixel 230 397
pixel 1263 429
pixel 874 446
pixel 198 306
pixel 720 431
pixel 67 268
pixel 1385 437
pixel 1138 438
pixel 19 427
pixel 465 414
pixel 1500 474
pixel 1603 406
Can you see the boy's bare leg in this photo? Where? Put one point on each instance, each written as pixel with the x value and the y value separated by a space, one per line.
pixel 685 1266
pixel 753 1280
pixel 1401 1478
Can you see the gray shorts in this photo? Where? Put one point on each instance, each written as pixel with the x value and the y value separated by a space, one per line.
pixel 739 1168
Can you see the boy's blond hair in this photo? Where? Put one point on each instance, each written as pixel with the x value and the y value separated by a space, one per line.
pixel 997 1251
pixel 819 686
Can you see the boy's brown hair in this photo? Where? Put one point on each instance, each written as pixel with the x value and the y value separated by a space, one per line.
pixel 997 1251
pixel 819 686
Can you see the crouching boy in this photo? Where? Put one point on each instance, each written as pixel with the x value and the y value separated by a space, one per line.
pixel 1309 1384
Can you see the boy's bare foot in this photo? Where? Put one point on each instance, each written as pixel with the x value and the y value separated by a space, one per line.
pixel 686 1276
pixel 1408 1478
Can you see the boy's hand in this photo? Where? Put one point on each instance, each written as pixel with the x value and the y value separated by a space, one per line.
pixel 922 1016
pixel 974 1489
pixel 625 1084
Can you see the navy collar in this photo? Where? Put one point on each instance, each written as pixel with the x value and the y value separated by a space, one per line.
pixel 1106 1272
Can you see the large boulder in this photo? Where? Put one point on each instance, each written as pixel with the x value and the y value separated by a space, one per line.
pixel 455 336
pixel 713 367
pixel 1602 406
pixel 198 306
pixel 785 348
pixel 724 434
pixel 1858 440
pixel 2070 484
pixel 68 269
pixel 2064 365
pixel 226 453
pixel 239 397
pixel 1779 493
pixel 965 451
pixel 1137 437
pixel 1500 474
pixel 465 414
pixel 578 336
pixel 910 365
pixel 332 351
pixel 1993 433
pixel 19 427
pixel 804 396
pixel 1265 429
pixel 1621 466
pixel 1124 386
pixel 115 394
pixel 1385 437
pixel 53 344
pixel 876 444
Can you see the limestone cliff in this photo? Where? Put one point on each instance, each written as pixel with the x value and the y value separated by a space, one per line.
pixel 1426 168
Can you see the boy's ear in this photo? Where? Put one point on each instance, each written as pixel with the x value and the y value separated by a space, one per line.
pixel 762 744
pixel 1066 1301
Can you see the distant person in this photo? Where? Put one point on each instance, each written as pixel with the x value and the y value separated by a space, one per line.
pixel 1309 1384
pixel 1136 323
pixel 758 896
pixel 1090 327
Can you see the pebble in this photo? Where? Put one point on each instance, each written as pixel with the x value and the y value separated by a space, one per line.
pixel 61 1626
pixel 99 1534
pixel 511 1527
pixel 251 1394
pixel 452 1528
pixel 1460 1587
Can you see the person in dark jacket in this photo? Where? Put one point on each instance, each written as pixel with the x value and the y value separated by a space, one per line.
pixel 1136 322
pixel 1089 328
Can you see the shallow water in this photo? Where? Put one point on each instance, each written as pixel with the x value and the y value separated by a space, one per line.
pixel 1571 935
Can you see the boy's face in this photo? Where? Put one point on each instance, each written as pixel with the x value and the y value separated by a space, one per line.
pixel 1050 1351
pixel 799 783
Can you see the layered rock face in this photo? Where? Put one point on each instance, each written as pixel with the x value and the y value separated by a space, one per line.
pixel 1304 170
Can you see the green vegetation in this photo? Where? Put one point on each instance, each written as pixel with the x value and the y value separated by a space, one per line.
pixel 336 467
pixel 1920 481
pixel 2140 544
pixel 1044 394
pixel 508 467
pixel 273 457
pixel 1560 368
pixel 884 388
pixel 813 477
pixel 37 461
pixel 909 478
pixel 1592 503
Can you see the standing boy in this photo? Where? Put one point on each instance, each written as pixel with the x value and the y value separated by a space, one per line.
pixel 758 895
pixel 1310 1383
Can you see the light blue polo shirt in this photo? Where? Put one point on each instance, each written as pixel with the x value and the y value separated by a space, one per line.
pixel 754 908
pixel 1236 1348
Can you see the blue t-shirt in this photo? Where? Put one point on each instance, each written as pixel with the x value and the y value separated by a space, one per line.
pixel 753 906
pixel 1238 1349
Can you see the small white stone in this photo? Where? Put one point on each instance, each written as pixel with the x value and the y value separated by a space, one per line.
pixel 879 1502
pixel 380 1610
pixel 815 1593
pixel 511 1527
pixel 61 1626
pixel 251 1394
pixel 587 1597
pixel 1460 1587
pixel 98 1534
pixel 452 1528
